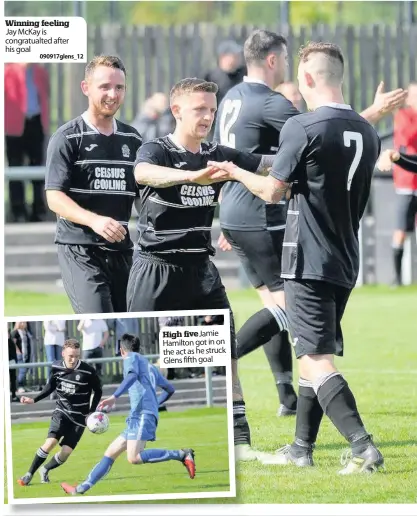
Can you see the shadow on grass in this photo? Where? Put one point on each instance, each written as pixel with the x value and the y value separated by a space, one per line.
pixel 380 444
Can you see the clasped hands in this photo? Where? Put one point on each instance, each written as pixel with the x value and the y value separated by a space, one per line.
pixel 215 172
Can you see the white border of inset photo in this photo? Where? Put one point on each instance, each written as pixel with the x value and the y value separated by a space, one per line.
pixel 115 498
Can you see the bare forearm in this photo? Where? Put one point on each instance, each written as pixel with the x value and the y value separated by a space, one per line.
pixel 262 187
pixel 65 207
pixel 372 114
pixel 159 177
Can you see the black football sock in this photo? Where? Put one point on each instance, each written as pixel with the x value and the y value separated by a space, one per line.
pixel 240 424
pixel 398 258
pixel 55 462
pixel 39 459
pixel 260 328
pixel 338 403
pixel 279 354
pixel 308 419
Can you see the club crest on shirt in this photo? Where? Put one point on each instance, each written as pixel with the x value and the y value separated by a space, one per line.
pixel 125 151
pixel 77 377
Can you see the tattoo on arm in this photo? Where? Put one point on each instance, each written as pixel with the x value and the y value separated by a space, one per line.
pixel 265 164
pixel 159 177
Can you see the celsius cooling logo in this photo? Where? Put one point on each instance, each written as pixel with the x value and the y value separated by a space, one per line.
pixel 110 178
pixel 197 195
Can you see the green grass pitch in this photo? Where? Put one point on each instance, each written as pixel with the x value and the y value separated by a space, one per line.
pixel 380 364
pixel 203 429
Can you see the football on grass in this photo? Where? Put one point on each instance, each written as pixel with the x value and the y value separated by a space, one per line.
pixel 98 422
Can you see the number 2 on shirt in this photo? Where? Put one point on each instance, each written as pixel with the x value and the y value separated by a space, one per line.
pixel 348 137
pixel 231 107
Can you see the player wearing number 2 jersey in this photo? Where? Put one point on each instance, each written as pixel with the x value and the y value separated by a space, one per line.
pixel 328 156
pixel 250 119
pixel 141 380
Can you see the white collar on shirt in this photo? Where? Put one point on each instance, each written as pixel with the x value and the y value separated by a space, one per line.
pixel 93 127
pixel 255 81
pixel 173 140
pixel 335 105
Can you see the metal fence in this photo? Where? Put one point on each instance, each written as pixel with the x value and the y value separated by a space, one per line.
pixel 157 57
pixel 112 369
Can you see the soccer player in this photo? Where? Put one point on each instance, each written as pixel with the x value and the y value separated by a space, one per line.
pixel 172 269
pixel 251 118
pixel 73 381
pixel 328 156
pixel 91 187
pixel 141 379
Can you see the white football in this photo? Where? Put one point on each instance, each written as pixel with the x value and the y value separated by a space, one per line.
pixel 98 423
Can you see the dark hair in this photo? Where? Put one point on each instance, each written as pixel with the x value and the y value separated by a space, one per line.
pixel 110 61
pixel 71 343
pixel 261 43
pixel 191 85
pixel 130 342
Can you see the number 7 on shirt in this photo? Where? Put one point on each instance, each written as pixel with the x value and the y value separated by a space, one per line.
pixel 348 137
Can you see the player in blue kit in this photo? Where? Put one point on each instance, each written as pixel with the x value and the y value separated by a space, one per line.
pixel 141 379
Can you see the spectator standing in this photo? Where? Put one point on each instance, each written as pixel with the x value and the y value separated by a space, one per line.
pixel 95 334
pixel 26 122
pixel 12 372
pixel 405 141
pixel 22 340
pixel 53 340
pixel 155 119
pixel 230 69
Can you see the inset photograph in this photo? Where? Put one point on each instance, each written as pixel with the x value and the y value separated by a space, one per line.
pixel 92 399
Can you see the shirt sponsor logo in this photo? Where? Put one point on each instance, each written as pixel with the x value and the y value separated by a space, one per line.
pixel 110 178
pixel 197 195
pixel 68 388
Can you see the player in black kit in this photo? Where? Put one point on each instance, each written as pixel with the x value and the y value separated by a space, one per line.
pixel 90 185
pixel 328 156
pixel 250 118
pixel 172 269
pixel 73 381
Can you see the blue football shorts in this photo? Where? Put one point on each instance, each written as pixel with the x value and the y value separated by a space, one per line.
pixel 141 428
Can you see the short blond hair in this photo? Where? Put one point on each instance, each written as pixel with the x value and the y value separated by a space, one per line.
pixel 334 62
pixel 102 60
pixel 192 85
pixel 71 343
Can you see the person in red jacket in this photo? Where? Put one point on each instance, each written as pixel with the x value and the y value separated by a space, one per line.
pixel 26 122
pixel 405 141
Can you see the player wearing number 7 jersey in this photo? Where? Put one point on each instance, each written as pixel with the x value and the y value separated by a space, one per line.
pixel 141 380
pixel 328 156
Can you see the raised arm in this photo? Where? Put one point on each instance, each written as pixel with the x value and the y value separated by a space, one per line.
pixel 384 103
